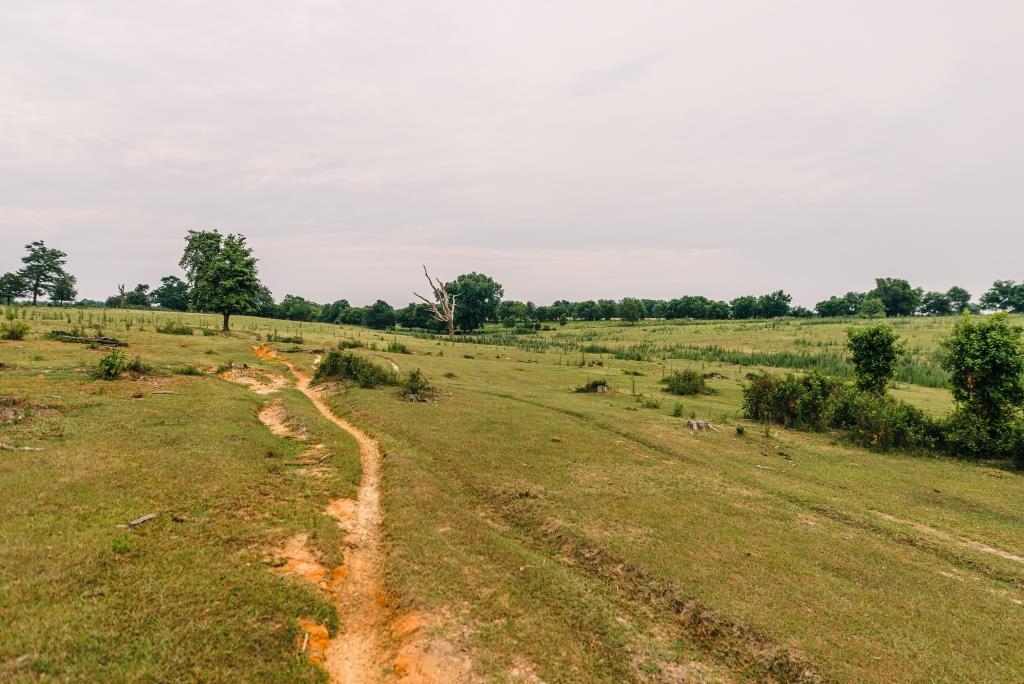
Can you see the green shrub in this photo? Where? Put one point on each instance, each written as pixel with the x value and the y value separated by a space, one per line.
pixel 188 370
pixel 685 382
pixel 350 344
pixel 175 329
pixel 137 366
pixel 112 365
pixel 397 347
pixel 677 410
pixel 14 330
pixel 650 402
pixel 338 365
pixel 593 386
pixel 876 351
pixel 793 401
pixel 416 386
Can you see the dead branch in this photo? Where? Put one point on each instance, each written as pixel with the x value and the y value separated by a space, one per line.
pixel 443 306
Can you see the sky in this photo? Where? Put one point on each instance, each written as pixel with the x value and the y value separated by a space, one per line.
pixel 570 149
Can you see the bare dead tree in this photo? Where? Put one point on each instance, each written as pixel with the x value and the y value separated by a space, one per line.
pixel 443 306
pixel 120 289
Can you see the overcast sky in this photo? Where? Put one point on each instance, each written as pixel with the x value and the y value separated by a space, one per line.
pixel 574 150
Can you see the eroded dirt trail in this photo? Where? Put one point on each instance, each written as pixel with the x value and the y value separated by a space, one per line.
pixel 358 653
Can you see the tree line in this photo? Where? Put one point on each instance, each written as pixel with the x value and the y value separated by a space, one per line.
pixel 221 276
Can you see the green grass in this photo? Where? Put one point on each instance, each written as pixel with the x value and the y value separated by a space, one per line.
pixel 575 536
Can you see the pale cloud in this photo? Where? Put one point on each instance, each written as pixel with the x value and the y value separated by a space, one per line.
pixel 571 149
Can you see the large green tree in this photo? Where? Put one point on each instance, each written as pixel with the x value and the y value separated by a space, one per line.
pixel 1005 295
pixel 12 286
pixel 221 273
pixel 477 296
pixel 380 315
pixel 43 266
pixel 632 310
pixel 898 297
pixel 64 289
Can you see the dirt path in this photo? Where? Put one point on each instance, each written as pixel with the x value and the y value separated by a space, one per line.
pixel 358 653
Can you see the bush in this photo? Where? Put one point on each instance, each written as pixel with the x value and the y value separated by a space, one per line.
pixel 685 382
pixel 396 347
pixel 188 370
pixel 593 386
pixel 793 401
pixel 338 365
pixel 175 329
pixel 14 330
pixel 816 402
pixel 876 352
pixel 416 386
pixel 112 365
pixel 350 344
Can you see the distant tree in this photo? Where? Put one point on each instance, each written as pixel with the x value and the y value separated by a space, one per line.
pixel 417 316
pixel 64 289
pixel 172 294
pixel 898 297
pixel 121 296
pixel 831 307
pixel 265 306
pixel 43 266
pixel 353 315
pixel 1005 295
pixel 221 272
pixel 607 308
pixel 801 312
pixel 330 312
pixel 478 297
pixel 936 304
pixel 743 307
pixel 12 286
pixel 586 311
pixel 959 299
pixel 660 310
pixel 511 312
pixel 632 310
pixel 380 315
pixel 139 296
pixel 295 308
pixel 773 305
pixel 876 351
pixel 871 307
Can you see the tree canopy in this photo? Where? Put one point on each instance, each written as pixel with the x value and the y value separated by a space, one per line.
pixel 172 293
pixel 43 267
pixel 478 297
pixel 221 272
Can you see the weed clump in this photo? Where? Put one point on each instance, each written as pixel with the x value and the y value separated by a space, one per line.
pixel 685 382
pixel 13 330
pixel 338 365
pixel 188 370
pixel 175 329
pixel 285 339
pixel 350 344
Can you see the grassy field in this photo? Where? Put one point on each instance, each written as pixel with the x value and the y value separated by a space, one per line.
pixel 558 536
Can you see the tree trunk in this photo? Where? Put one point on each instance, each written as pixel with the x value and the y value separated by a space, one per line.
pixel 226 316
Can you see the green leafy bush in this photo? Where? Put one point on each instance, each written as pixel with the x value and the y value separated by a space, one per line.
pixel 685 382
pixel 112 365
pixel 188 370
pixel 350 344
pixel 339 365
pixel 397 347
pixel 876 352
pixel 416 386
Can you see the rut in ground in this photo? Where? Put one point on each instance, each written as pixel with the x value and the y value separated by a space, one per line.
pixel 365 648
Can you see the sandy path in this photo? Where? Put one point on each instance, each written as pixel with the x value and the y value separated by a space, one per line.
pixel 358 653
